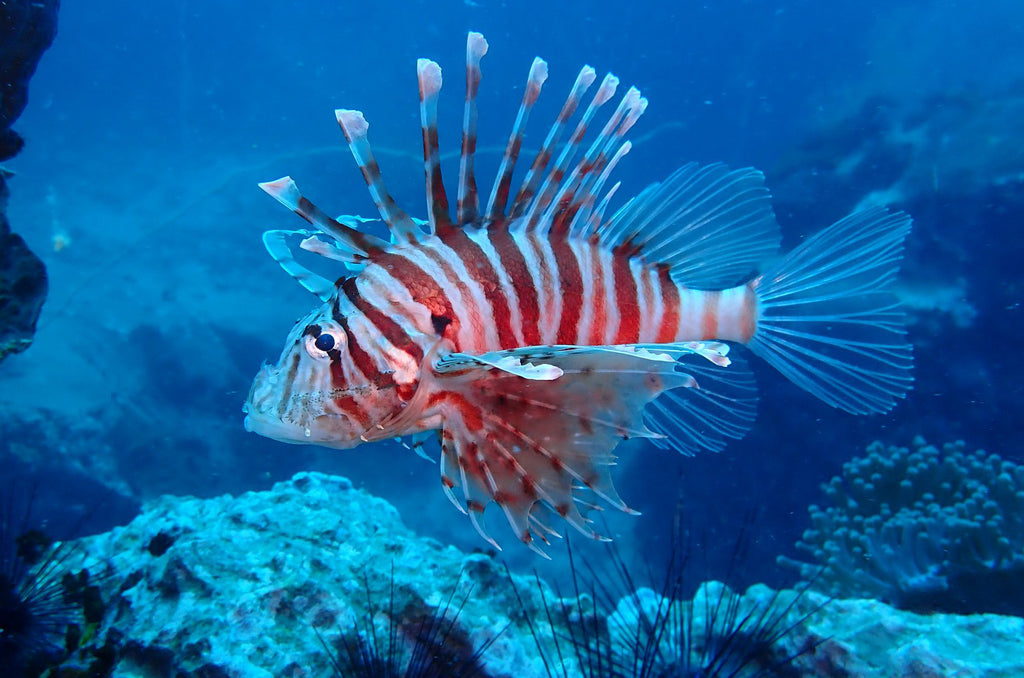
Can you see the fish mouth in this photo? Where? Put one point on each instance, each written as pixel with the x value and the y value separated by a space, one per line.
pixel 267 415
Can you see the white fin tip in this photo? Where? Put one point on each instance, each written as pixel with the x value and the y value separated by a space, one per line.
pixel 587 76
pixel 429 74
pixel 352 123
pixel 607 89
pixel 283 190
pixel 539 71
pixel 476 47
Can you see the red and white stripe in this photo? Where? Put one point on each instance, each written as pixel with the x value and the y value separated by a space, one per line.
pixel 497 290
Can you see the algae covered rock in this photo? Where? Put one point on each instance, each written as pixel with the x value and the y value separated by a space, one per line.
pixel 243 586
pixel 277 583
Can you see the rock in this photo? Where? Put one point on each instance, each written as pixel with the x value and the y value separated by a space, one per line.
pixel 242 586
pixel 27 27
pixel 869 639
pixel 23 287
pixel 247 586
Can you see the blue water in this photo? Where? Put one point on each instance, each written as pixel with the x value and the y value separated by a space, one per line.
pixel 149 125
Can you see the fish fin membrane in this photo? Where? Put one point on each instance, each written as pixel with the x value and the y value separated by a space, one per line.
pixel 720 407
pixel 713 226
pixel 536 427
pixel 828 320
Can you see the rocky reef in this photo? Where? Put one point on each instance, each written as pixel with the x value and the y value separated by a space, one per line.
pixel 286 581
pixel 26 30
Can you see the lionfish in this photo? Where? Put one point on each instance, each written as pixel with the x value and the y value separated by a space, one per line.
pixel 533 337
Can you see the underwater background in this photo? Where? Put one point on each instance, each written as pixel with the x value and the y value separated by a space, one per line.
pixel 149 125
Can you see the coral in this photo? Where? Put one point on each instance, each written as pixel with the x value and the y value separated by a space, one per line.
pixel 923 529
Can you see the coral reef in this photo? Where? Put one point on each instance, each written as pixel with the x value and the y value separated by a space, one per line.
pixel 923 529
pixel 286 582
pixel 247 586
pixel 617 628
pixel 846 638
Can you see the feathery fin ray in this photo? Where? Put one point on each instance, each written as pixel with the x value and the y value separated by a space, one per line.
pixel 828 319
pixel 530 427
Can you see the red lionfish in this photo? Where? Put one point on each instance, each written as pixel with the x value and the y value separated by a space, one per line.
pixel 533 337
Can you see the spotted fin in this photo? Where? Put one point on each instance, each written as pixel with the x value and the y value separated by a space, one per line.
pixel 534 429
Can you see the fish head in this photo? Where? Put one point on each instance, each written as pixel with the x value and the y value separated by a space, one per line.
pixel 314 394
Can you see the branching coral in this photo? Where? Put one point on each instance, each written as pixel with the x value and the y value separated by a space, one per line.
pixel 923 529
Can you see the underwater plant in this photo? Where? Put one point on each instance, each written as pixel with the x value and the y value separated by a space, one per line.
pixel 615 628
pixel 416 641
pixel 923 529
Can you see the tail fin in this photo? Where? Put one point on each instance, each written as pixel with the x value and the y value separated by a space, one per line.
pixel 827 319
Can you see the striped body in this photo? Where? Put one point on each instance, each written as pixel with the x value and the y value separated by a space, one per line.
pixel 534 333
pixel 493 289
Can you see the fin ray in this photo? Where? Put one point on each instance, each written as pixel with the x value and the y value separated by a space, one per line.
pixel 721 407
pixel 469 202
pixel 713 226
pixel 277 246
pixel 355 128
pixel 828 320
pixel 520 442
pixel 428 74
pixel 503 182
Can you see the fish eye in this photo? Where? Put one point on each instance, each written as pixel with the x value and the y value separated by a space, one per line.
pixel 324 341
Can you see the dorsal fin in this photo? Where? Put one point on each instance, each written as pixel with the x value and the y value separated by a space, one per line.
pixel 711 225
pixel 576 191
pixel 428 74
pixel 554 178
pixel 540 162
pixel 286 192
pixel 503 182
pixel 469 202
pixel 590 175
pixel 277 246
pixel 355 127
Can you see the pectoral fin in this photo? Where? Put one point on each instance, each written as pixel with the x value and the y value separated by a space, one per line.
pixel 536 427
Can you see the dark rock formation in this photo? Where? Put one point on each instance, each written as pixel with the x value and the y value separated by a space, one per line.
pixel 27 28
pixel 22 286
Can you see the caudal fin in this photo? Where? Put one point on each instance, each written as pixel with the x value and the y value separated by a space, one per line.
pixel 828 319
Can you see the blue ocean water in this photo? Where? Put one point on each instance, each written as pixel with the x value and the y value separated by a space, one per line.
pixel 150 124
